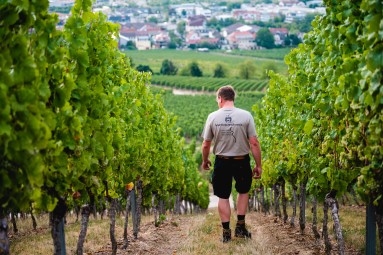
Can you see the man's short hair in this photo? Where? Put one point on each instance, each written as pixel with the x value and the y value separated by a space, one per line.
pixel 227 93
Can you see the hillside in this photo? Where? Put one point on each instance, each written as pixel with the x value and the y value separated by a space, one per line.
pixel 208 60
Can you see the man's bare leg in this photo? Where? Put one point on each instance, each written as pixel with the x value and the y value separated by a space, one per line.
pixel 242 203
pixel 224 209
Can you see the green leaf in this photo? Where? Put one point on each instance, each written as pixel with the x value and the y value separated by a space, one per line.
pixel 10 19
pixel 35 171
pixel 83 59
pixel 5 129
pixel 376 201
pixel 308 127
pixel 368 100
pixel 137 102
pixel 374 58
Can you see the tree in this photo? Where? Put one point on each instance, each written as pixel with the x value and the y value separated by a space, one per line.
pixel 295 40
pixel 153 19
pixel 211 46
pixel 168 68
pixel 181 26
pixel 265 38
pixel 174 39
pixel 220 71
pixel 195 70
pixel 192 70
pixel 130 45
pixel 232 6
pixel 144 68
pixel 246 70
pixel 172 45
pixel 213 22
pixel 292 40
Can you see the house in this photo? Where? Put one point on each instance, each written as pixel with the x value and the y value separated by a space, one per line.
pixel 194 38
pixel 161 40
pixel 246 15
pixel 150 28
pixel 141 34
pixel 197 24
pixel 104 9
pixel 242 40
pixel 61 3
pixel 279 35
pixel 239 27
pixel 288 2
pixel 188 10
pixel 142 40
pixel 183 10
pixel 230 29
pixel 168 26
pixel 118 18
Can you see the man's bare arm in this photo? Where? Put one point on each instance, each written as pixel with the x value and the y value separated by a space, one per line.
pixel 205 154
pixel 255 148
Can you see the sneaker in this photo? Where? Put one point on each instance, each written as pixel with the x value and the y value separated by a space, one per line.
pixel 241 231
pixel 226 235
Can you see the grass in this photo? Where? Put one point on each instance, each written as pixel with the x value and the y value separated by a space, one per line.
pixel 206 60
pixel 204 239
pixel 202 234
pixel 41 241
pixel 268 54
pixel 352 219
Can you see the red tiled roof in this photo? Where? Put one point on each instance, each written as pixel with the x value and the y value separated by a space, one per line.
pixel 235 36
pixel 279 30
pixel 201 40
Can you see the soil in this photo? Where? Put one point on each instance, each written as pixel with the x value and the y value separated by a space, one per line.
pixel 171 235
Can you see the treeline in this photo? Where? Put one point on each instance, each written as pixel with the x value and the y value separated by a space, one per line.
pixel 246 70
pixel 79 123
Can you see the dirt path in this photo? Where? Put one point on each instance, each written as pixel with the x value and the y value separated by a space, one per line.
pixel 200 234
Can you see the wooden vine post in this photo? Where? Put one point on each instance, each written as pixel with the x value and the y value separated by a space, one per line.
pixel 85 213
pixel 57 230
pixel 371 230
pixel 4 241
pixel 333 206
pixel 128 190
pixel 138 206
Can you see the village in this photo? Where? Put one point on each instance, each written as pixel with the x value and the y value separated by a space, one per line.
pixel 203 26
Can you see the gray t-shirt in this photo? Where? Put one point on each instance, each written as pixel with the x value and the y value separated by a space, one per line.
pixel 230 130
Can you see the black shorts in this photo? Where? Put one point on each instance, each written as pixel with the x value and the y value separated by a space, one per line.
pixel 227 169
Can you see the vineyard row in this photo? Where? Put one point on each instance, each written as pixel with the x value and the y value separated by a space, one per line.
pixel 207 83
pixel 78 124
pixel 321 126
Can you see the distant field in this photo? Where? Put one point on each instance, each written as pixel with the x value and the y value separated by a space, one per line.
pixel 206 60
pixel 270 54
pixel 208 83
pixel 192 111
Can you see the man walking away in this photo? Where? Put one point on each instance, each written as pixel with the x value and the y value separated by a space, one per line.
pixel 232 132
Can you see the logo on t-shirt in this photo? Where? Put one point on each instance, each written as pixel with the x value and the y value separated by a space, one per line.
pixel 228 119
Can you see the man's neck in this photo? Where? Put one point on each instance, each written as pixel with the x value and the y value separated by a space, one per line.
pixel 228 104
